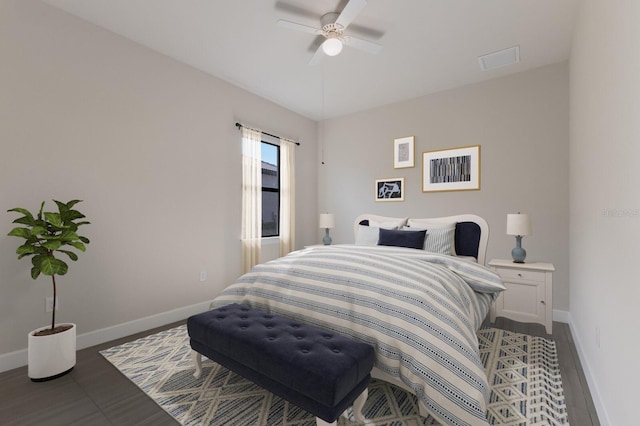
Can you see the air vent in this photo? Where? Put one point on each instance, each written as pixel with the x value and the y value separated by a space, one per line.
pixel 500 58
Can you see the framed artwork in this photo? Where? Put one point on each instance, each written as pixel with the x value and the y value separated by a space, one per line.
pixel 455 169
pixel 403 152
pixel 391 189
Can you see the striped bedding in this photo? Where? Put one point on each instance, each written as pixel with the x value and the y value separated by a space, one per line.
pixel 419 310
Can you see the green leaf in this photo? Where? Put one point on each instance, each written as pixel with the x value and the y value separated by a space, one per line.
pixel 52 244
pixel 61 206
pixel 38 230
pixel 52 266
pixel 77 245
pixel 72 203
pixel 83 239
pixel 35 272
pixel 71 254
pixel 25 212
pixel 72 215
pixel 26 249
pixel 25 220
pixel 40 212
pixel 54 218
pixel 20 232
pixel 67 236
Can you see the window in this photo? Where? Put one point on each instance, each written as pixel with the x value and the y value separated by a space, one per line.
pixel 270 189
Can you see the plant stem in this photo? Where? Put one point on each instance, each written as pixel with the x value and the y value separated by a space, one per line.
pixel 53 311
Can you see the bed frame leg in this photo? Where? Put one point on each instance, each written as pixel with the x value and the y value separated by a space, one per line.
pixel 197 362
pixel 423 411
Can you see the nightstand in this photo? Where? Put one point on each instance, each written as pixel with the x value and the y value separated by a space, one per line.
pixel 528 297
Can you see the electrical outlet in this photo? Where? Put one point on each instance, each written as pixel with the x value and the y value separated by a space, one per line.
pixel 203 275
pixel 48 304
pixel 597 336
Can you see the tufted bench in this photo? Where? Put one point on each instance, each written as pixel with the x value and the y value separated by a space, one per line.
pixel 317 370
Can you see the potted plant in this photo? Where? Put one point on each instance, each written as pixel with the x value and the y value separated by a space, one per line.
pixel 52 350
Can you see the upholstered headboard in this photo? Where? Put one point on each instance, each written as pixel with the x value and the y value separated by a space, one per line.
pixel 471 236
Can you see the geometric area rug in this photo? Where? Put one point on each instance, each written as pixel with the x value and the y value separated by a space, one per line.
pixel 523 371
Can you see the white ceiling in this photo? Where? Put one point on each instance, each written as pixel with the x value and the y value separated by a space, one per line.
pixel 428 45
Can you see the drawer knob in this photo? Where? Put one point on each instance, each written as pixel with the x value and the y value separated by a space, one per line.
pixel 520 275
pixel 543 302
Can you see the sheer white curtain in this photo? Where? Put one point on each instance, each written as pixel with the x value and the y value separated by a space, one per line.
pixel 251 198
pixel 287 197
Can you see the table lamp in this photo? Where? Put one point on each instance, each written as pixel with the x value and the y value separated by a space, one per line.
pixel 327 221
pixel 518 225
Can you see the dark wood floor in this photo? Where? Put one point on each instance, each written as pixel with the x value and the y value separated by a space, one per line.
pixel 95 393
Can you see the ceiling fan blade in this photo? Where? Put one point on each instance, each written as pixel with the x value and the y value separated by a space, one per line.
pixel 360 44
pixel 299 27
pixel 315 59
pixel 350 11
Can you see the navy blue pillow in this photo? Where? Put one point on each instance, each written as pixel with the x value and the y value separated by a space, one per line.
pixel 397 238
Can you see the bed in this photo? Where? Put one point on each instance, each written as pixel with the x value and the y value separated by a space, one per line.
pixel 419 309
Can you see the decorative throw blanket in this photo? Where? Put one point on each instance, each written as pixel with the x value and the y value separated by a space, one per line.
pixel 419 310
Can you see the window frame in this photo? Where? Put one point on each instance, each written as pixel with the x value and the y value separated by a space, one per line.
pixel 273 142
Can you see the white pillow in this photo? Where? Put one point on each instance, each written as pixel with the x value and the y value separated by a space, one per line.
pixel 367 235
pixel 430 223
pixel 390 224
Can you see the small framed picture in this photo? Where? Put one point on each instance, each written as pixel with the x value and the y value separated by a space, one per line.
pixel 403 152
pixel 456 169
pixel 391 189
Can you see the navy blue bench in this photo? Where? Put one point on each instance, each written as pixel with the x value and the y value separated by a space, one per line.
pixel 319 371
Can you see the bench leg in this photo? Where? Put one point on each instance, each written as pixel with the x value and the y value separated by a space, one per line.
pixel 197 361
pixel 358 405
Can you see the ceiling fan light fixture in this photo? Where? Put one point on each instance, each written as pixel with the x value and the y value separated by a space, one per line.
pixel 332 45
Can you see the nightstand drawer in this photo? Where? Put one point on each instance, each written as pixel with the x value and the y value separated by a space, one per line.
pixel 521 275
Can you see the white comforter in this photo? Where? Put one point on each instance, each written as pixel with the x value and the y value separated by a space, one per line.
pixel 419 310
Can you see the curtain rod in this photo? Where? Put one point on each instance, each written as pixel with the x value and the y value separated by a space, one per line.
pixel 239 125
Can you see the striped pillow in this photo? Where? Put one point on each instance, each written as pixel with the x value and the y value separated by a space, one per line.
pixel 440 235
pixel 440 240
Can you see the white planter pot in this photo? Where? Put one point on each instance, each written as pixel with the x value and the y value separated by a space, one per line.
pixel 51 356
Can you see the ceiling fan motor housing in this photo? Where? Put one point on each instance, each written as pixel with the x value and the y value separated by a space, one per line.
pixel 329 25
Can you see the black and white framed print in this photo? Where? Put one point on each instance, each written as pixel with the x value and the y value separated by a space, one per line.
pixel 403 152
pixel 391 189
pixel 455 169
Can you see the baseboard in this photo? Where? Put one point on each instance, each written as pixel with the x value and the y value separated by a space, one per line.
pixel 18 358
pixel 561 316
pixel 603 417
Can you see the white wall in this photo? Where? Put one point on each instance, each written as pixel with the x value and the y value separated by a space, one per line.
pixel 522 125
pixel 150 146
pixel 605 202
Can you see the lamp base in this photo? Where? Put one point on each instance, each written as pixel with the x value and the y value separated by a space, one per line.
pixel 518 253
pixel 327 239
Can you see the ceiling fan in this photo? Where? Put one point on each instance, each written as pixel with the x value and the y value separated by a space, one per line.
pixel 333 26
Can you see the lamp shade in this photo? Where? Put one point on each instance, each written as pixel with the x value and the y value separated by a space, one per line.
pixel 327 221
pixel 332 46
pixel 518 224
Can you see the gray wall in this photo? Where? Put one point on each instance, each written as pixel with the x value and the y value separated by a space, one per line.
pixel 605 203
pixel 522 125
pixel 149 145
